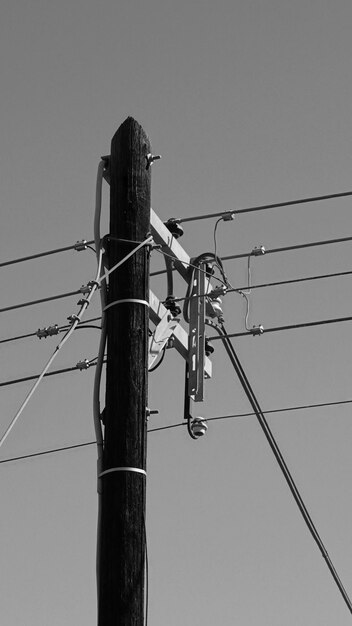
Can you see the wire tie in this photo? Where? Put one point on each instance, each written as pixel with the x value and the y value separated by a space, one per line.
pixel 126 300
pixel 137 470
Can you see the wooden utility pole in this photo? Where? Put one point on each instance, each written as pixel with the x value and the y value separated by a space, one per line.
pixel 122 537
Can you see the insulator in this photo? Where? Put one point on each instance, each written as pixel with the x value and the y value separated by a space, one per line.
pixel 73 318
pixel 171 305
pixel 258 251
pixel 174 226
pixel 83 365
pixel 217 291
pixel 47 331
pixel 209 269
pixel 198 426
pixel 86 288
pixel 81 245
pixel 213 308
pixel 257 330
pixel 209 348
pixel 228 216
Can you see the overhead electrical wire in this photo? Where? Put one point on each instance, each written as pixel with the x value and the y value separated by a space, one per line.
pixel 64 370
pixel 75 321
pixel 84 244
pixel 60 329
pixel 259 286
pixel 41 300
pixel 336 320
pixel 211 338
pixel 300 246
pixel 264 207
pixel 279 457
pixel 44 452
pixel 271 411
pixel 184 423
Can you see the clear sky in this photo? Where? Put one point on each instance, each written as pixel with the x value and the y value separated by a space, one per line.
pixel 248 103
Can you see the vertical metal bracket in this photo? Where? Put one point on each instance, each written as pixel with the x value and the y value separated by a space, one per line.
pixel 196 337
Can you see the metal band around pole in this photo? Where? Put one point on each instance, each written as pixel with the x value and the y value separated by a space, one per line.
pixel 144 302
pixel 137 470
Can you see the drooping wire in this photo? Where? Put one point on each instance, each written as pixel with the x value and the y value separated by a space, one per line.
pixel 183 424
pixel 279 458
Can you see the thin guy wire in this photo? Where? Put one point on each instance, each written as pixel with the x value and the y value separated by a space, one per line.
pixel 280 459
pixel 41 254
pixel 264 207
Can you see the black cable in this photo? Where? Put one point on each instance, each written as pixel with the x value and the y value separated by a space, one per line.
pixel 279 458
pixel 44 452
pixel 288 327
pixel 279 283
pixel 263 207
pixel 41 254
pixel 241 415
pixel 61 329
pixel 293 280
pixel 182 424
pixel 53 373
pixel 311 244
pixel 244 255
pixel 41 300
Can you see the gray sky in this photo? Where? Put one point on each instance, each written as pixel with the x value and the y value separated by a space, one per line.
pixel 248 103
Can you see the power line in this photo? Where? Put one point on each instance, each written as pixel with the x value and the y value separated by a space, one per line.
pixel 299 246
pixel 41 300
pixel 25 379
pixel 280 459
pixel 60 329
pixel 29 456
pixel 276 284
pixel 288 327
pixel 264 207
pixel 79 245
pixel 271 411
pixel 178 425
